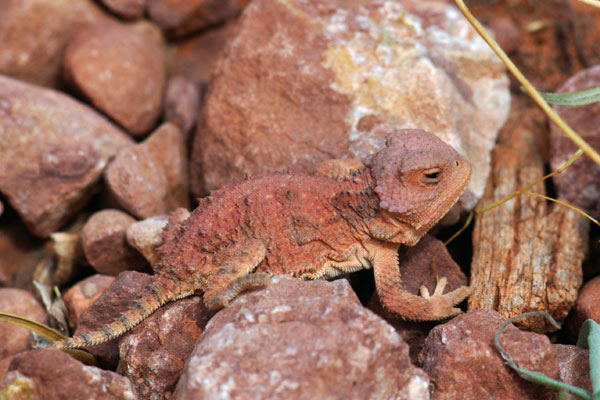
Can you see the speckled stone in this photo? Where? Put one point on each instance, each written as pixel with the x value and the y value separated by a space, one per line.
pixel 182 17
pixel 152 356
pixel 300 340
pixel 146 236
pixel 105 244
pixel 587 306
pixel 130 9
pixel 463 363
pixel 121 70
pixel 14 339
pixel 54 375
pixel 54 150
pixel 81 295
pixel 19 252
pixel 182 104
pixel 360 70
pixel 580 183
pixel 574 367
pixel 35 33
pixel 151 178
pixel 195 57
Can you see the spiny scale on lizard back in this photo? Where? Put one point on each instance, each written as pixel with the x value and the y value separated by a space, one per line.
pixel 265 207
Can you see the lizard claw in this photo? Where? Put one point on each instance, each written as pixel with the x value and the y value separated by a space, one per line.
pixel 442 305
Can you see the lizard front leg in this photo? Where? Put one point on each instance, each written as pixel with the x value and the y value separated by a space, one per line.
pixel 396 299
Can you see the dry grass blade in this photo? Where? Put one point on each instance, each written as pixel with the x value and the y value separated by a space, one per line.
pixel 593 3
pixel 566 165
pixel 564 203
pixel 40 329
pixel 582 144
pixel 48 333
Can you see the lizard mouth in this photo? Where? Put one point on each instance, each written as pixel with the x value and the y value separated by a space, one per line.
pixel 465 173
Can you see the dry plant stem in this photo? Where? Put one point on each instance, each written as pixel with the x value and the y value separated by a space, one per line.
pixel 582 144
pixel 594 3
pixel 566 165
pixel 564 203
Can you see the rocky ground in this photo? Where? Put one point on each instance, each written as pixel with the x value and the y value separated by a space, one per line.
pixel 116 115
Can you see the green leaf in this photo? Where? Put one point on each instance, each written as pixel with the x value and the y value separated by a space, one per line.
pixel 535 376
pixel 580 98
pixel 590 335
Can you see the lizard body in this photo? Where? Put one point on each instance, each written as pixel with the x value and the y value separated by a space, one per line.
pixel 311 227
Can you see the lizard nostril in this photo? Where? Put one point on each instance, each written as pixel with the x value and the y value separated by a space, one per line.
pixel 457 163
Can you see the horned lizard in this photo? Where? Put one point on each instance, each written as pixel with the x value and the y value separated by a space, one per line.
pixel 312 227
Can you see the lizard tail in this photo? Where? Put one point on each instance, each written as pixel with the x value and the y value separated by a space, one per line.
pixel 153 296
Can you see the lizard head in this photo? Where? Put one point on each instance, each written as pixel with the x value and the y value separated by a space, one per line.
pixel 418 179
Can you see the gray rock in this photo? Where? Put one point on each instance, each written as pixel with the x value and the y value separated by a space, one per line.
pixel 300 340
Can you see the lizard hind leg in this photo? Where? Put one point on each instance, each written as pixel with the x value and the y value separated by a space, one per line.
pixel 236 275
pixel 152 297
pixel 216 300
pixel 396 299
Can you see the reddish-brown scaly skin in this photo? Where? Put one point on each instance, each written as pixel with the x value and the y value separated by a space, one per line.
pixel 299 219
pixel 310 226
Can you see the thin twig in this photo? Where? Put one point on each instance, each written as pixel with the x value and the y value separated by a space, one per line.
pixel 582 144
pixel 594 3
pixel 566 165
pixel 564 203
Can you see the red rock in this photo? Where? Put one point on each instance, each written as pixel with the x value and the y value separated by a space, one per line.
pixel 586 30
pixel 68 254
pixel 121 70
pixel 182 104
pixel 14 339
pixel 131 9
pixel 146 236
pixel 297 339
pixel 34 34
pixel 81 295
pixel 195 58
pixel 151 178
pixel 580 183
pixel 463 363
pixel 587 306
pixel 574 367
pixel 507 33
pixel 4 363
pixel 416 270
pixel 18 252
pixel 182 17
pixel 105 245
pixel 118 298
pixel 154 353
pixel 54 150
pixel 301 82
pixel 54 375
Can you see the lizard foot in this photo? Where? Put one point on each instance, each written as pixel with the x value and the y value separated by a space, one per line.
pixel 215 300
pixel 442 305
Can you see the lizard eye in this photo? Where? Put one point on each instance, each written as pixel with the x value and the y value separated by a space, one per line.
pixel 430 177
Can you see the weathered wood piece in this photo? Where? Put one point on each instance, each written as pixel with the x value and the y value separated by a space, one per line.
pixel 528 251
